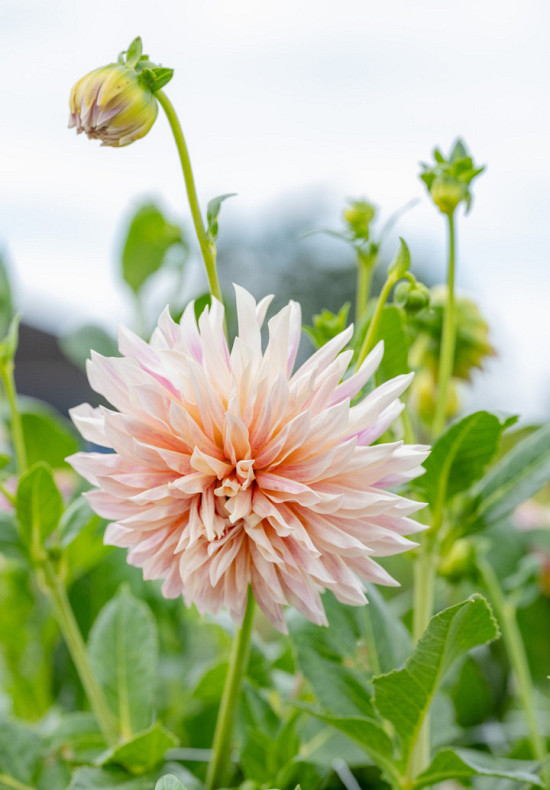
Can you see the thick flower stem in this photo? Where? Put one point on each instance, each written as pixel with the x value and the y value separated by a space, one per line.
pixel 448 338
pixel 208 248
pixel 6 372
pixel 368 342
pixel 505 613
pixel 77 649
pixel 238 661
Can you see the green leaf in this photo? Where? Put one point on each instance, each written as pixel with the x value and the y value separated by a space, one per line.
pixel 143 751
pixel 391 638
pixel 48 438
pixel 123 651
pixel 169 782
pixel 403 696
pixel 368 733
pixel 466 763
pixel 8 344
pixel 19 751
pixel 10 539
pixel 460 456
pixel 78 733
pixel 134 52
pixel 150 236
pixel 401 262
pixel 107 779
pixel 77 345
pixel 39 505
pixel 320 654
pixel 212 213
pixel 307 773
pixel 75 518
pixel 391 330
pixel 155 78
pixel 327 325
pixel 516 477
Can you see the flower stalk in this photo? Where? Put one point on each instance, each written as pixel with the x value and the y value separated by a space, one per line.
pixel 6 372
pixel 208 248
pixel 448 339
pixel 238 661
pixel 77 649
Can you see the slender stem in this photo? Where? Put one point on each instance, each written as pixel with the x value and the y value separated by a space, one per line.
pixel 425 568
pixel 6 371
pixel 448 338
pixel 9 781
pixel 365 265
pixel 8 495
pixel 238 662
pixel 368 342
pixel 424 588
pixel 370 643
pixel 79 654
pixel 505 613
pixel 208 248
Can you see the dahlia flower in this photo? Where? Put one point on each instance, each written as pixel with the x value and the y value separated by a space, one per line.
pixel 230 470
pixel 111 104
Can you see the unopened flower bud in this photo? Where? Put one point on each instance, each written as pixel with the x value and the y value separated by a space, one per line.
pixel 358 217
pixel 113 105
pixel 447 193
pixel 412 297
pixel 460 562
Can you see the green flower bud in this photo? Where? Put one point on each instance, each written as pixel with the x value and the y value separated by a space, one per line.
pixel 448 179
pixel 460 562
pixel 447 193
pixel 411 297
pixel 358 217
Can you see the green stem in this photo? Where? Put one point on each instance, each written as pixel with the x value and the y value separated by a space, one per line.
pixel 238 662
pixel 208 248
pixel 448 338
pixel 370 643
pixel 6 371
pixel 8 495
pixel 368 342
pixel 77 648
pixel 9 781
pixel 365 265
pixel 425 567
pixel 505 613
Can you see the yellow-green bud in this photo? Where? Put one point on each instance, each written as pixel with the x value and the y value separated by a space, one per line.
pixel 447 193
pixel 460 562
pixel 112 105
pixel 358 217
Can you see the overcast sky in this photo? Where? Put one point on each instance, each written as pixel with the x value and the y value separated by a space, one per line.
pixel 279 99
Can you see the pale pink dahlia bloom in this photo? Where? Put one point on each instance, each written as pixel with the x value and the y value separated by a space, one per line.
pixel 230 470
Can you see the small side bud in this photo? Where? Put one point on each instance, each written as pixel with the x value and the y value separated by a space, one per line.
pixel 411 297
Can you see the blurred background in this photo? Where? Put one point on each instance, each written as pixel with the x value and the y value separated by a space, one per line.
pixel 296 107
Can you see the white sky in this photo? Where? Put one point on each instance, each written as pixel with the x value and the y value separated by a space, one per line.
pixel 276 99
